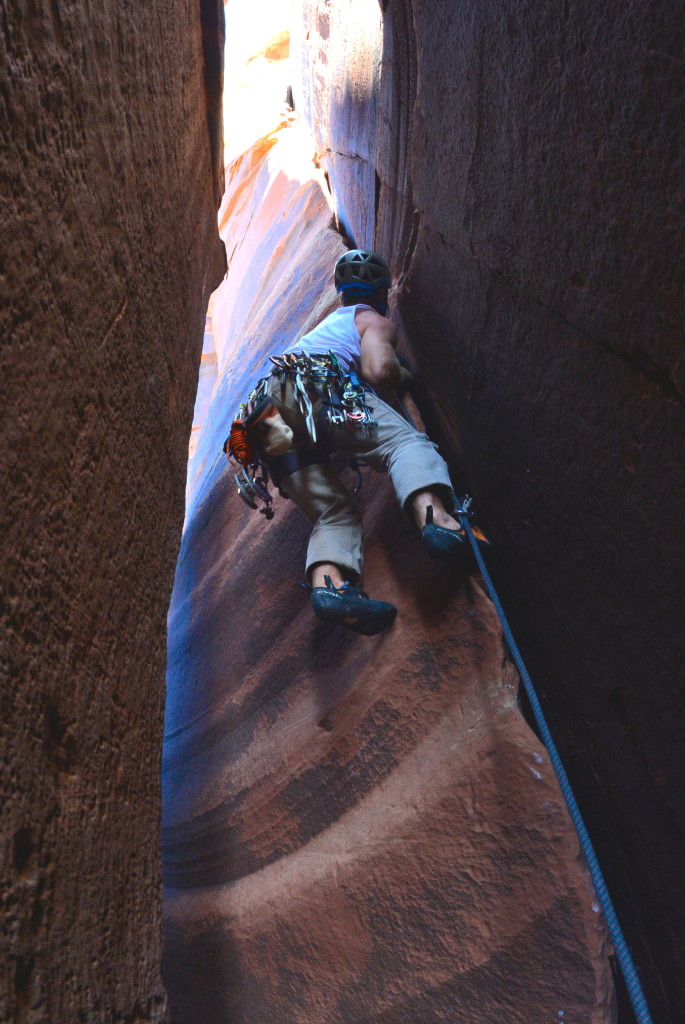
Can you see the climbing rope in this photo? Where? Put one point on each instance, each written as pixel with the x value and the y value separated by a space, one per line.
pixel 623 956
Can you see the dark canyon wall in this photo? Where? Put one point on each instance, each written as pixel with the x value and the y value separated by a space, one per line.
pixel 355 829
pixel 111 176
pixel 530 195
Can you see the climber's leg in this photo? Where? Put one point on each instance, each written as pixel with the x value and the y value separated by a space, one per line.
pixel 334 554
pixel 420 478
pixel 431 498
pixel 336 538
pixel 417 470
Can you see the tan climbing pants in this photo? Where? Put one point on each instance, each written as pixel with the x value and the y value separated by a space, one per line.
pixel 393 447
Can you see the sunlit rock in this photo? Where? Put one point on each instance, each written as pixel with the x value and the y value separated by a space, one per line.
pixel 275 217
pixel 205 385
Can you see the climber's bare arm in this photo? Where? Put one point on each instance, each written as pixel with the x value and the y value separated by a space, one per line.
pixel 379 341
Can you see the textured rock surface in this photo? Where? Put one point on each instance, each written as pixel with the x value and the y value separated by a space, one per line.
pixel 531 188
pixel 336 77
pixel 108 251
pixel 355 829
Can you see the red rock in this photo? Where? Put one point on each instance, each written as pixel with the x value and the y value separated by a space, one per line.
pixel 336 52
pixel 355 829
pixel 530 197
pixel 108 253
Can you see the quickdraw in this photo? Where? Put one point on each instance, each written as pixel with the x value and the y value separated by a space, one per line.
pixel 344 398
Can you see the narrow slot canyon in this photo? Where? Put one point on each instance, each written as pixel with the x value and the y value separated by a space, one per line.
pixel 353 830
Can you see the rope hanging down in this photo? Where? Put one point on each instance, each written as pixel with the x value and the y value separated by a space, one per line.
pixel 623 956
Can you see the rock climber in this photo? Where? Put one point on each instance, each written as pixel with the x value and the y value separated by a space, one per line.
pixel 300 416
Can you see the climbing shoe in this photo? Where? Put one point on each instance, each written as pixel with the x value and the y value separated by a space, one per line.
pixel 450 545
pixel 352 608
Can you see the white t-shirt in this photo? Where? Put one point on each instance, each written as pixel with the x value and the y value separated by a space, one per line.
pixel 336 333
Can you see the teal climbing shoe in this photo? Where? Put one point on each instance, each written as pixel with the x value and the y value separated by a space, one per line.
pixel 450 545
pixel 352 608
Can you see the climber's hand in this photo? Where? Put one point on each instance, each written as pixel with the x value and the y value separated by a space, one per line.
pixel 405 379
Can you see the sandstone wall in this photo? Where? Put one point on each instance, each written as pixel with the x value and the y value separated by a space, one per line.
pixel 336 49
pixel 111 177
pixel 530 198
pixel 355 829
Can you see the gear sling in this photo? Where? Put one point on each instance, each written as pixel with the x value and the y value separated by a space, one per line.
pixel 259 441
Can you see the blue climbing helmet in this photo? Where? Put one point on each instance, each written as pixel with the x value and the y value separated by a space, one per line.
pixel 361 271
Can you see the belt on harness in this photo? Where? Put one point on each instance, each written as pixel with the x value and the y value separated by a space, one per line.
pixel 283 465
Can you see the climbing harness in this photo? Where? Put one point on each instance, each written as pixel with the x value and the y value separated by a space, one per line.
pixel 623 955
pixel 344 406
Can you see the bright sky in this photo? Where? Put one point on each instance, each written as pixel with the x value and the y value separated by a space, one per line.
pixel 254 88
pixel 249 26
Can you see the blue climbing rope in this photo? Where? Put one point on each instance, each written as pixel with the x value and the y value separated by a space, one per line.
pixel 623 956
